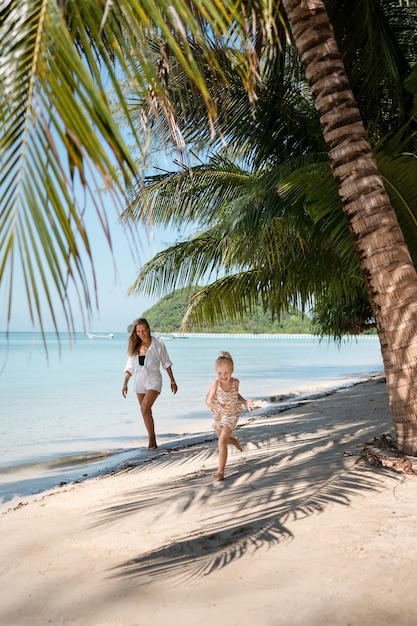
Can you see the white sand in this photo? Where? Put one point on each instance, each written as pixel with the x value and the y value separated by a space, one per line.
pixel 299 533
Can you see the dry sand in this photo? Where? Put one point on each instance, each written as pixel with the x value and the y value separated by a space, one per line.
pixel 299 534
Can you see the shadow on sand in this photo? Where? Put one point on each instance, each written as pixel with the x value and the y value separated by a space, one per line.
pixel 294 465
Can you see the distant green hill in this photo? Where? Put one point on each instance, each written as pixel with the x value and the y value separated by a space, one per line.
pixel 167 314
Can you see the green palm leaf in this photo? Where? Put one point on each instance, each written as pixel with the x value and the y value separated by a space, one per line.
pixel 59 142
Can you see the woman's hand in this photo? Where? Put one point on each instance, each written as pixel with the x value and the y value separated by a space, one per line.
pixel 125 381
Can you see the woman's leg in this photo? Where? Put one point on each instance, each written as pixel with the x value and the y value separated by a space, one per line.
pixel 146 401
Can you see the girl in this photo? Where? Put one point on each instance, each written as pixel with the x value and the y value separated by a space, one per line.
pixel 225 403
pixel 146 355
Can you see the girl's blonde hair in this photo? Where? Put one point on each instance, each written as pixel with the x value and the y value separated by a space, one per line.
pixel 222 358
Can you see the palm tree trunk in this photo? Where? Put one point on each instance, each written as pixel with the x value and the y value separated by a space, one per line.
pixel 388 270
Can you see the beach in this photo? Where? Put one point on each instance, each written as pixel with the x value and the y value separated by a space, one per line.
pixel 65 418
pixel 302 532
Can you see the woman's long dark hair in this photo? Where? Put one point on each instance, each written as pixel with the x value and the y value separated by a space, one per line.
pixel 135 341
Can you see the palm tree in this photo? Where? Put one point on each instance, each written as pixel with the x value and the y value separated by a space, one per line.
pixel 254 242
pixel 383 256
pixel 199 191
pixel 283 130
pixel 62 152
pixel 52 93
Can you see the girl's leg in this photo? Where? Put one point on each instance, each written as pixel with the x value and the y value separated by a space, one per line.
pixel 146 401
pixel 234 441
pixel 223 433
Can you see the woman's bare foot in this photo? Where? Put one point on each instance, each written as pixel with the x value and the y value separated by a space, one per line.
pixel 218 476
pixel 152 446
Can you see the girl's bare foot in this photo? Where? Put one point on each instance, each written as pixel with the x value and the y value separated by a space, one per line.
pixel 235 441
pixel 218 476
pixel 152 446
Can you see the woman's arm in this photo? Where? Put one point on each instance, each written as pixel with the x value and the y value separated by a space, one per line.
pixel 158 351
pixel 174 386
pixel 125 383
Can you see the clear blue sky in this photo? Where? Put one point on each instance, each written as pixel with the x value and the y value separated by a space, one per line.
pixel 115 272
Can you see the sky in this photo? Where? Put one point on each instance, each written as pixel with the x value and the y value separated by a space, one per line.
pixel 115 271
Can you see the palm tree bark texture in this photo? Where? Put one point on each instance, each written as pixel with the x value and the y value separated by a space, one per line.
pixel 387 267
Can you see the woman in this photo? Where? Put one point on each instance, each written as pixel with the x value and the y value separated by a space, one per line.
pixel 146 355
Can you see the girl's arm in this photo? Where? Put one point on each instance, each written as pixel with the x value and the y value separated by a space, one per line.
pixel 210 396
pixel 248 404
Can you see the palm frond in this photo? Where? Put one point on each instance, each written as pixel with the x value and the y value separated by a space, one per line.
pixel 184 264
pixel 58 135
pixel 376 41
pixel 42 228
pixel 399 173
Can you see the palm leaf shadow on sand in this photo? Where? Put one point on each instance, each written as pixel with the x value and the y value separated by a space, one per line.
pixel 200 556
pixel 299 471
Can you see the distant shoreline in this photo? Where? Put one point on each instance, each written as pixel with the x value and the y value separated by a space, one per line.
pixel 241 335
pixel 178 335
pixel 258 335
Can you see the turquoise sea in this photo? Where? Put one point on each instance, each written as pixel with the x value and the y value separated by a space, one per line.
pixel 63 417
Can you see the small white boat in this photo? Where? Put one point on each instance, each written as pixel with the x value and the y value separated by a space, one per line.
pixel 93 336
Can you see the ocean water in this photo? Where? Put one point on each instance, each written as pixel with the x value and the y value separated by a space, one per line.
pixel 63 417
